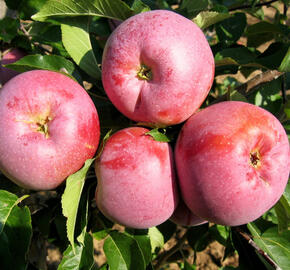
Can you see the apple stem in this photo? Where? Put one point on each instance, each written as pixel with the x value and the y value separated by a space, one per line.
pixel 144 73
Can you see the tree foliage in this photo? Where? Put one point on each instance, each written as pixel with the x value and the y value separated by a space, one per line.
pixel 250 42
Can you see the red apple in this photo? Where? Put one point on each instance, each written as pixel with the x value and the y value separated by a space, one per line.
pixel 232 160
pixel 136 179
pixel 183 216
pixel 8 57
pixel 49 126
pixel 157 67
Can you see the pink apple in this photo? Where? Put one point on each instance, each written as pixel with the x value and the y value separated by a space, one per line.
pixel 157 67
pixel 232 160
pixel 8 57
pixel 183 216
pixel 136 179
pixel 49 127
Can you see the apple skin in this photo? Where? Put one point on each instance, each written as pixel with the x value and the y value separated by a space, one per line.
pixel 232 161
pixel 8 57
pixel 31 104
pixel 136 179
pixel 184 217
pixel 178 57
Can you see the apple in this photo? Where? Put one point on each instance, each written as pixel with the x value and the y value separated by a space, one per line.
pixel 184 217
pixel 136 179
pixel 49 127
pixel 232 160
pixel 157 68
pixel 8 57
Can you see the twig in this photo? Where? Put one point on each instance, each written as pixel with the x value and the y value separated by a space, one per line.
pixel 259 250
pixel 250 6
pixel 250 86
pixel 162 258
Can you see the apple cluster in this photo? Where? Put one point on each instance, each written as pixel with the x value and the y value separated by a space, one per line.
pixel 230 163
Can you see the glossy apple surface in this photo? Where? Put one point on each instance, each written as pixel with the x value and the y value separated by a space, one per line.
pixel 49 126
pixel 232 160
pixel 9 57
pixel 183 216
pixel 157 67
pixel 136 179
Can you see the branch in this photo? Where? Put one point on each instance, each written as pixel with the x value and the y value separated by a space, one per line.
pixel 163 257
pixel 259 250
pixel 248 87
pixel 250 6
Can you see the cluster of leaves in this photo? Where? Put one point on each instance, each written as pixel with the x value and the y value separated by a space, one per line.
pixel 69 36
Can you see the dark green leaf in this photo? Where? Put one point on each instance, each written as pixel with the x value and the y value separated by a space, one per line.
pixel 276 245
pixel 198 237
pixel 82 258
pixel 231 29
pixel 187 266
pixel 207 18
pixel 158 134
pixel 76 40
pixel 15 231
pixel 144 244
pixel 71 198
pixel 193 7
pixel 47 62
pixel 29 7
pixel 114 9
pixel 273 56
pixel 138 6
pixel 123 252
pixel 8 29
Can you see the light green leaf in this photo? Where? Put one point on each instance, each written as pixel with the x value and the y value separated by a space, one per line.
pixel 113 9
pixel 285 65
pixel 15 231
pixel 123 252
pixel 76 40
pixel 158 135
pixel 71 198
pixel 81 258
pixel 207 18
pixel 156 238
pixel 276 245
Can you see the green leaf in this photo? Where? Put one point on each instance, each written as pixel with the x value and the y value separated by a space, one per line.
pixel 239 56
pixel 188 266
pixel 144 244
pixel 193 7
pixel 274 244
pixel 285 65
pixel 156 238
pixel 113 9
pixel 47 62
pixel 158 134
pixel 207 18
pixel 82 257
pixel 282 209
pixel 71 198
pixel 8 29
pixel 236 96
pixel 138 6
pixel 231 29
pixel 15 231
pixel 262 32
pixel 76 40
pixel 123 252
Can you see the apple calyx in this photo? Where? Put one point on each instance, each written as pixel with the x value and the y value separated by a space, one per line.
pixel 255 158
pixel 42 126
pixel 144 73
